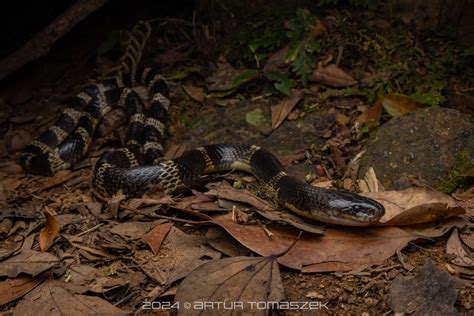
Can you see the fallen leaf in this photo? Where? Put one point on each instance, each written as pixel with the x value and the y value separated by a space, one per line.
pixel 293 220
pixel 12 289
pixel 277 61
pixel 179 254
pixel 438 228
pixel 49 232
pixel 455 247
pixel 225 191
pixel 50 298
pixel 397 104
pixel 223 242
pixel 114 203
pixel 430 292
pixel 59 178
pixel 28 261
pixel 241 280
pixel 339 249
pixel 133 230
pixel 371 116
pixel 332 76
pixel 156 236
pixel 104 284
pixel 281 111
pixel 414 206
pixel 196 93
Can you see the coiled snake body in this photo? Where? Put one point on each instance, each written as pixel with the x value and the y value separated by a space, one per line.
pixel 138 165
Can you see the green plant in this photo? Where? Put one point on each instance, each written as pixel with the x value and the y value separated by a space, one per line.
pixel 303 46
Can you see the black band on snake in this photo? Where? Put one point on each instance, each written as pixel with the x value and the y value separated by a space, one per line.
pixel 138 165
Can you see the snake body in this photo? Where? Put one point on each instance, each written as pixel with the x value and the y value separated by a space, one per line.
pixel 139 165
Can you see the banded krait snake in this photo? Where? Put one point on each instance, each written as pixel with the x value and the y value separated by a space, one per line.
pixel 138 165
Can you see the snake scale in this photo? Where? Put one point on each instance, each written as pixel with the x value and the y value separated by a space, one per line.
pixel 139 165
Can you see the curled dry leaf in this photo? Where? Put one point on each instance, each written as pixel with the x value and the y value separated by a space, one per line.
pixel 455 247
pixel 371 116
pixel 243 280
pixel 396 104
pixel 339 249
pixel 332 76
pixel 49 232
pixel 415 205
pixel 281 111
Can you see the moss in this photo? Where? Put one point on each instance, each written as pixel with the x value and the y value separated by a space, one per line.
pixel 455 179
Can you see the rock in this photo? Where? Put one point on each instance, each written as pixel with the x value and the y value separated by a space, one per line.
pixel 231 125
pixel 433 145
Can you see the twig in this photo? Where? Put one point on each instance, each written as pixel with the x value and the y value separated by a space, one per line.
pixel 41 43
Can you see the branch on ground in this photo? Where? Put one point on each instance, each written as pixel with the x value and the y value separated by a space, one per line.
pixel 41 43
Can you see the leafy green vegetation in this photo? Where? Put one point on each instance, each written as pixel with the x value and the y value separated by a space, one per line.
pixel 417 65
pixel 302 46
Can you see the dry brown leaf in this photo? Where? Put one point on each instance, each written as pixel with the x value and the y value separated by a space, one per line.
pixel 12 289
pixel 415 205
pixel 293 220
pixel 93 250
pixel 134 230
pixel 369 77
pixel 397 105
pixel 455 247
pixel 156 236
pixel 436 229
pixel 339 249
pixel 49 232
pixel 28 261
pixel 114 203
pixel 371 116
pixel 197 93
pixel 281 111
pixel 332 76
pixel 175 150
pixel 242 280
pixel 225 191
pixel 277 61
pixel 179 254
pixel 104 284
pixel 59 178
pixel 50 298
pixel 223 242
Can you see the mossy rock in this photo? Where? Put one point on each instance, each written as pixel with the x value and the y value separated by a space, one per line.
pixel 433 145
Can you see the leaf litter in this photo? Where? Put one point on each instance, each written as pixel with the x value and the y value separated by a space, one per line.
pixel 104 233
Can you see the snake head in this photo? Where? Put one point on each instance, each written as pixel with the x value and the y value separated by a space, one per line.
pixel 356 210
